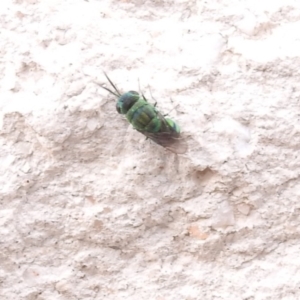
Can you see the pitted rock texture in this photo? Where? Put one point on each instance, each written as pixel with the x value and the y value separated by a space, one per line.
pixel 89 209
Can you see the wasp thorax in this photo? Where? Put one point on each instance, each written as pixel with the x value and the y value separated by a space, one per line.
pixel 126 101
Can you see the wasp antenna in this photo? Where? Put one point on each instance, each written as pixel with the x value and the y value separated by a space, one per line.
pixel 115 88
pixel 117 95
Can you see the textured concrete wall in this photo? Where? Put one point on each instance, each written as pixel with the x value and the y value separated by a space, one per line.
pixel 90 210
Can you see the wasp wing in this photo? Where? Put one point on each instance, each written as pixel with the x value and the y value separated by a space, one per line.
pixel 167 137
pixel 174 143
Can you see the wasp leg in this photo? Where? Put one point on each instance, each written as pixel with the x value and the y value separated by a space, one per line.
pixel 152 96
pixel 144 97
pixel 171 109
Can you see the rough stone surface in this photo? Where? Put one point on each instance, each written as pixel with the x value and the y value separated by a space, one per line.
pixel 90 210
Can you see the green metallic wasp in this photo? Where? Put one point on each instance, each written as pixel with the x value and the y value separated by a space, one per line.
pixel 145 118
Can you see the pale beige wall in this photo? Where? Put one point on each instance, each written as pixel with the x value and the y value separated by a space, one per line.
pixel 90 210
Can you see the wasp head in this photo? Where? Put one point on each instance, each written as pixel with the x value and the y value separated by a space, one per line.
pixel 126 101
